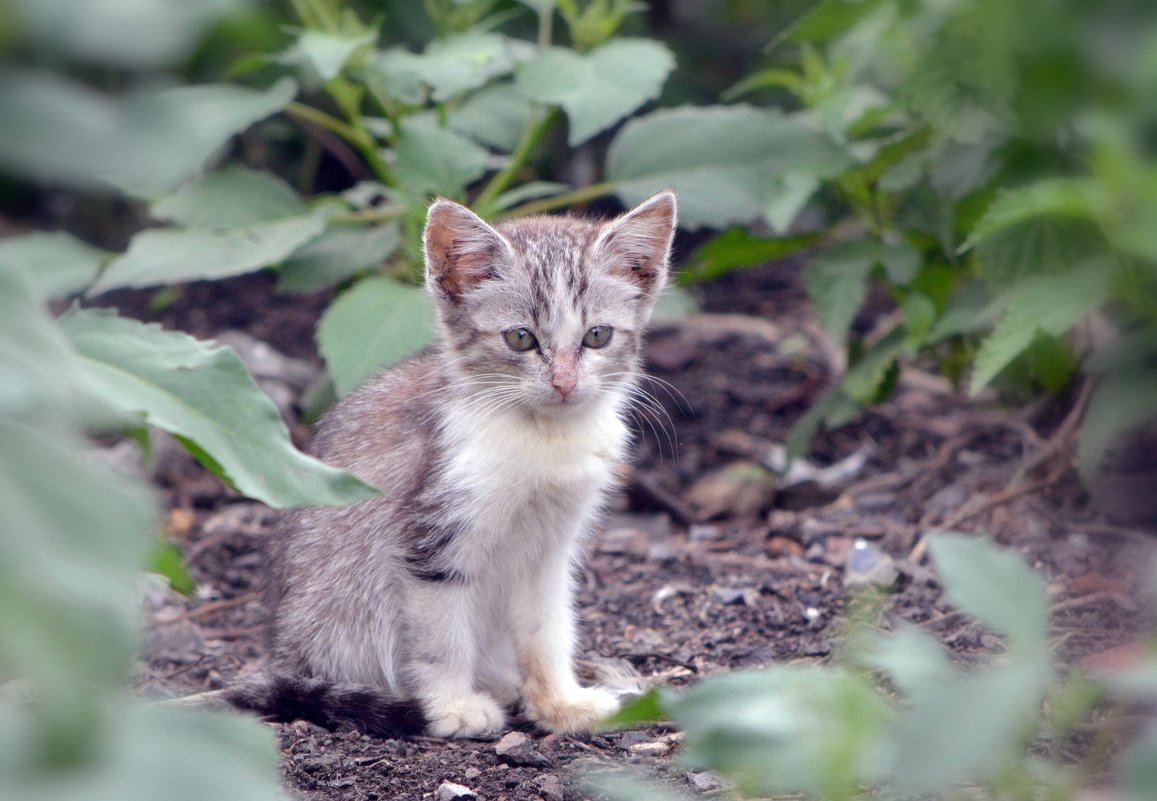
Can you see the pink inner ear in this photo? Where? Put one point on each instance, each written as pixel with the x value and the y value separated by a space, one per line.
pixel 461 249
pixel 639 243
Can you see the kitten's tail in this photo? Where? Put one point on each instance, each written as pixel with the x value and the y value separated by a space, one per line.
pixel 287 698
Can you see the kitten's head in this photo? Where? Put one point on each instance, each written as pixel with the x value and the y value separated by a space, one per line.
pixel 546 313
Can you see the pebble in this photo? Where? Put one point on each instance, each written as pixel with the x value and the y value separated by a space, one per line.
pixel 550 787
pixel 867 563
pixel 471 773
pixel 745 596
pixel 449 791
pixel 515 749
pixel 703 781
pixel 650 749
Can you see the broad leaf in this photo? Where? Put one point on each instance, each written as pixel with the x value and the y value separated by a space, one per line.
pixel 448 67
pixel 494 116
pixel 326 53
pixel 201 393
pixel 57 264
pixel 371 327
pixel 433 160
pixel 723 160
pixel 914 660
pixel 1049 304
pixel 997 588
pixel 170 256
pixel 232 197
pixel 788 730
pixel 599 88
pixel 338 254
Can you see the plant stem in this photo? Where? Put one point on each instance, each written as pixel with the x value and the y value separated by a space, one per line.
pixel 379 214
pixel 356 135
pixel 545 21
pixel 580 195
pixel 532 134
pixel 328 122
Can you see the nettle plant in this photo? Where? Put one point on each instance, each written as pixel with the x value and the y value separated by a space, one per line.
pixel 895 718
pixel 994 175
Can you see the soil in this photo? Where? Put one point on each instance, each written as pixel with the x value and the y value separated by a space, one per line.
pixel 706 564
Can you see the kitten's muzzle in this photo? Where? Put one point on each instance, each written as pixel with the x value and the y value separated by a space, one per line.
pixel 564 372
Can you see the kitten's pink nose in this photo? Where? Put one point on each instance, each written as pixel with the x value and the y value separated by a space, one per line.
pixel 564 373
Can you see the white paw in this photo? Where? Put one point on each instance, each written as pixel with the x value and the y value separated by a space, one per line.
pixel 469 716
pixel 578 710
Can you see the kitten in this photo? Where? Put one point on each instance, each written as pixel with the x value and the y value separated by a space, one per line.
pixel 449 599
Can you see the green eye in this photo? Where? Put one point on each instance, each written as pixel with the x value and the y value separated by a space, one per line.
pixel 520 339
pixel 598 337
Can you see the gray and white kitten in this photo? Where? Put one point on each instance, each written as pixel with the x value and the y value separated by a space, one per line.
pixel 449 599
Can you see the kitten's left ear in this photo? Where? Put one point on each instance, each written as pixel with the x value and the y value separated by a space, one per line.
pixel 637 245
pixel 461 250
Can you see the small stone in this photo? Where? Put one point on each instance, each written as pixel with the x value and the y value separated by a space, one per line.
pixel 650 749
pixel 449 791
pixel 745 596
pixel 875 501
pixel 515 749
pixel 868 564
pixel 471 773
pixel 702 533
pixel 550 787
pixel 703 781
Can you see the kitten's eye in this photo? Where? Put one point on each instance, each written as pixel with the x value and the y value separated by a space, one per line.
pixel 520 339
pixel 598 337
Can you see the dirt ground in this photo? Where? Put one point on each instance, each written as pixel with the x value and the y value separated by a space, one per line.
pixel 706 564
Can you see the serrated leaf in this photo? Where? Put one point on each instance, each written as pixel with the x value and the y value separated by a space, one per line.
pixel 231 197
pixel 837 283
pixel 1049 304
pixel 737 249
pixel 201 391
pixel 339 253
pixel 371 327
pixel 433 160
pixel 997 588
pixel 171 256
pixel 1067 197
pixel 1122 401
pixel 57 264
pixel 722 160
pixel 599 88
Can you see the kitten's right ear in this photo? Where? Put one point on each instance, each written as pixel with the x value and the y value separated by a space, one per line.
pixel 461 250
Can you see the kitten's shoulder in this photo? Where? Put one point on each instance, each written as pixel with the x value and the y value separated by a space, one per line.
pixel 399 401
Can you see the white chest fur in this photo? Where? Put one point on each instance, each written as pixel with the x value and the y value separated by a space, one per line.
pixel 530 485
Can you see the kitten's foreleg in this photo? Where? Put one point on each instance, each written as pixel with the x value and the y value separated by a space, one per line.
pixel 443 656
pixel 544 625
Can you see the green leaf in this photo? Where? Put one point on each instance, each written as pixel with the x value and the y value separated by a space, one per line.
pixel 166 560
pixel 326 53
pixel 232 197
pixel 919 316
pixel 738 248
pixel 433 160
pixel 787 196
pixel 1067 197
pixel 837 282
pixel 448 67
pixel 641 711
pixel 1051 361
pixel 914 659
pixel 1049 304
pixel 57 264
pixel 872 379
pixel 494 116
pixel 171 256
pixel 371 327
pixel 202 392
pixel 339 253
pixel 673 304
pixel 599 88
pixel 1123 400
pixel 723 160
pixel 997 588
pixel 1139 768
pixel 992 711
pixel 787 730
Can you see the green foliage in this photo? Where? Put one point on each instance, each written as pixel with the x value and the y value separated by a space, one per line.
pixel 999 146
pixel 898 719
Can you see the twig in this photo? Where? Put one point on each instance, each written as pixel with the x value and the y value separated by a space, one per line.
pixel 212 606
pixel 1061 438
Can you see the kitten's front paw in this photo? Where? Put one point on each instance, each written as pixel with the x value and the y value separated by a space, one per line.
pixel 578 710
pixel 469 716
